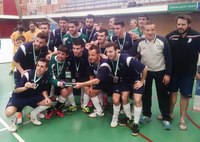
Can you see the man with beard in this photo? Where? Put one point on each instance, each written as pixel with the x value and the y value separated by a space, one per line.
pixel 69 39
pixel 122 38
pixel 45 28
pixel 184 44
pixel 30 35
pixel 89 30
pixel 59 33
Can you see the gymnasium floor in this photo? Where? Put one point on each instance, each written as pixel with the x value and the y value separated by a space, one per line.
pixel 78 127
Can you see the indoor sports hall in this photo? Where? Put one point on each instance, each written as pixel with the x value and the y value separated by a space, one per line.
pixel 78 127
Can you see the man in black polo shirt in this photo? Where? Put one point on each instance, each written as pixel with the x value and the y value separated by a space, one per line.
pixel 185 47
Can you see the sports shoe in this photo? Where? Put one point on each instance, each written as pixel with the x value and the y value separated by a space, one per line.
pixel 71 109
pixel 67 104
pixel 114 122
pixel 34 120
pixel 145 119
pixel 105 100
pixel 59 112
pixel 167 125
pixel 48 114
pixel 41 115
pixel 19 117
pixel 121 111
pixel 97 114
pixel 90 103
pixel 135 129
pixel 13 126
pixel 125 121
pixel 11 72
pixel 86 110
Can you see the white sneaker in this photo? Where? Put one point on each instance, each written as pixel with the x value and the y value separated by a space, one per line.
pixel 41 115
pixel 67 103
pixel 13 126
pixel 19 118
pixel 114 122
pixel 97 114
pixel 34 120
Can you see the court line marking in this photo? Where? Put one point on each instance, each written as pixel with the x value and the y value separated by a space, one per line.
pixel 131 127
pixel 3 129
pixel 14 134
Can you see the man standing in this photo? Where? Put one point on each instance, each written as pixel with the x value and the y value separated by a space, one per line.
pixel 122 38
pixel 89 30
pixel 30 35
pixel 14 36
pixel 111 26
pixel 19 24
pixel 127 72
pixel 31 90
pixel 73 35
pixel 99 74
pixel 184 44
pixel 59 33
pixel 155 54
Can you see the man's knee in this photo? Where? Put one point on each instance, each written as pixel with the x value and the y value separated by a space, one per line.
pixel 10 111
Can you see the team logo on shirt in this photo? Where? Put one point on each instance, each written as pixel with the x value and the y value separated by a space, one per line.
pixel 189 40
pixel 174 38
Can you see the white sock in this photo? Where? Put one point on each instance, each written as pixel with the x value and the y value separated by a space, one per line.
pixel 100 96
pixel 37 110
pixel 82 95
pixel 71 99
pixel 13 118
pixel 116 110
pixel 52 91
pixel 137 113
pixel 127 110
pixel 86 99
pixel 61 99
pixel 96 104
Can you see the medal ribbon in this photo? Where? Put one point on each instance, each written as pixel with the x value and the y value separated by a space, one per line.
pixel 90 34
pixel 115 73
pixel 34 80
pixel 32 35
pixel 77 66
pixel 59 72
pixel 35 60
pixel 123 42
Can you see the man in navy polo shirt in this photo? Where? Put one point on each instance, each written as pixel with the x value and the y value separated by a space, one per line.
pixel 121 37
pixel 127 75
pixel 100 79
pixel 185 48
pixel 31 90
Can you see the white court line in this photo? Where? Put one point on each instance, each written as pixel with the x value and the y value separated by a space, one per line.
pixel 15 134
pixel 3 129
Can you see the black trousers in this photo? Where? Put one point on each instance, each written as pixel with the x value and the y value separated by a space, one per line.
pixel 163 96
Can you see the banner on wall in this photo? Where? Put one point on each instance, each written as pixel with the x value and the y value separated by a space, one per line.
pixel 39 2
pixel 181 7
pixel 198 5
pixel 52 1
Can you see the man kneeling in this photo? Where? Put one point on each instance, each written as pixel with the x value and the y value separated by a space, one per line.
pixel 31 90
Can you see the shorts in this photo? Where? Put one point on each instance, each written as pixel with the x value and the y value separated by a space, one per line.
pixel 22 101
pixel 126 85
pixel 184 83
pixel 103 87
pixel 17 76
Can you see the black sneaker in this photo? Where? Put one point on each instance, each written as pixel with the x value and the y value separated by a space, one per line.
pixel 11 72
pixel 135 129
pixel 125 121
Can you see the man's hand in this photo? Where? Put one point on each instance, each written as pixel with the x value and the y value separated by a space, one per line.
pixel 22 73
pixel 47 101
pixel 138 84
pixel 198 76
pixel 88 45
pixel 166 79
pixel 28 85
pixel 48 57
pixel 134 36
pixel 78 85
pixel 61 84
pixel 103 56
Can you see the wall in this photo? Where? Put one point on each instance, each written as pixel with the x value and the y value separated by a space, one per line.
pixel 9 7
pixel 6 28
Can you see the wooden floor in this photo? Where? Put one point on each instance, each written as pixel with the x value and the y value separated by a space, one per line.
pixel 78 127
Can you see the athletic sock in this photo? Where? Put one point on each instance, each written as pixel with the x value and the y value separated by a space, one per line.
pixel 137 113
pixel 96 104
pixel 116 110
pixel 100 96
pixel 13 118
pixel 86 99
pixel 82 96
pixel 71 99
pixel 37 110
pixel 60 102
pixel 127 110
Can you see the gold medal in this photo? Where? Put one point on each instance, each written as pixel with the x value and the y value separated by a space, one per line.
pixel 115 79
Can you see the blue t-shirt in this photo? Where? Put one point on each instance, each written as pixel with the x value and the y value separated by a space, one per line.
pixel 92 37
pixel 58 37
pixel 128 41
pixel 25 56
pixel 51 43
pixel 41 85
pixel 128 67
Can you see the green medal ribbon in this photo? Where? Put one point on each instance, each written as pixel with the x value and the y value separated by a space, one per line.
pixel 35 60
pixel 61 36
pixel 115 73
pixel 90 34
pixel 34 80
pixel 59 72
pixel 32 35
pixel 123 42
pixel 77 66
pixel 100 50
pixel 48 41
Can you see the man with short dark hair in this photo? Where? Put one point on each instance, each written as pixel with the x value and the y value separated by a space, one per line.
pixel 111 26
pixel 31 90
pixel 19 24
pixel 59 33
pixel 73 35
pixel 89 30
pixel 184 43
pixel 30 35
pixel 121 37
